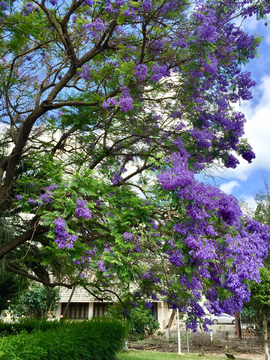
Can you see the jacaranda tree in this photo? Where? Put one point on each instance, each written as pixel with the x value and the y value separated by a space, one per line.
pixel 108 110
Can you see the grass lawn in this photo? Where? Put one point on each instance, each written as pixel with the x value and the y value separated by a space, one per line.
pixel 149 355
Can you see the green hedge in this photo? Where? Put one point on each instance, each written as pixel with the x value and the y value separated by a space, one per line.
pixel 28 325
pixel 87 340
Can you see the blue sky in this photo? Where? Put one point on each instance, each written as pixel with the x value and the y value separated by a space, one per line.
pixel 244 181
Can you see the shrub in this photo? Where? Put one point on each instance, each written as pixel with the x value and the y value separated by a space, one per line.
pixel 141 321
pixel 28 325
pixel 37 302
pixel 87 340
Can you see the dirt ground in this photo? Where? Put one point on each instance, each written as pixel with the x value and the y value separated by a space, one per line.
pixel 252 349
pixel 251 356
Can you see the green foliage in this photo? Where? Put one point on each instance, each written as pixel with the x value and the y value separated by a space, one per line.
pixel 260 292
pixel 29 325
pixel 37 301
pixel 248 311
pixel 10 288
pixel 89 340
pixel 141 322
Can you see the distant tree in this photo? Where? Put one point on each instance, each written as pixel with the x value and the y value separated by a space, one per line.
pixel 260 300
pixel 11 287
pixel 262 212
pixel 37 302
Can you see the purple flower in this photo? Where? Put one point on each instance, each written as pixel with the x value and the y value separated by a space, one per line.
pixel 3 5
pixel 141 72
pixel 109 8
pixel 47 197
pixel 28 8
pixel 154 225
pixel 32 201
pixel 115 178
pixel 147 5
pixel 231 161
pixel 125 101
pixel 19 197
pixel 148 305
pixel 85 73
pixel 63 239
pixel 159 72
pixel 119 2
pixel 101 266
pixel 98 24
pixel 127 236
pixel 88 2
pixel 82 209
pixel 109 103
pixel 126 311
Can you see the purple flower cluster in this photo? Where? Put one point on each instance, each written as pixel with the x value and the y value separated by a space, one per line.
pixel 47 197
pixel 28 8
pixel 116 178
pixel 101 266
pixel 95 27
pixel 151 276
pixel 159 72
pixel 148 305
pixel 147 5
pixel 63 239
pixel 125 101
pixel 32 201
pixel 89 2
pixel 3 6
pixel 85 73
pixel 247 153
pixel 82 209
pixel 109 103
pixel 128 236
pixel 141 72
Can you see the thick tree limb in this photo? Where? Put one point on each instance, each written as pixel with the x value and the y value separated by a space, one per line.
pixel 19 240
pixel 35 278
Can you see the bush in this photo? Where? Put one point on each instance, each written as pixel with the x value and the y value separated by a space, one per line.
pixel 87 340
pixel 141 321
pixel 28 325
pixel 37 302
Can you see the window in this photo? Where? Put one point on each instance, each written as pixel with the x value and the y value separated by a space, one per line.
pixel 154 310
pixel 76 310
pixel 100 308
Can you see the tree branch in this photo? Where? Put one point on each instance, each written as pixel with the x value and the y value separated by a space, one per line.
pixel 35 278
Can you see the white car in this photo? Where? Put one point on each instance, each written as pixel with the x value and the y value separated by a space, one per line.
pixel 222 319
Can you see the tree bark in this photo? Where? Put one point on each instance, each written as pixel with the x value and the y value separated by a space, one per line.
pixel 265 335
pixel 167 332
pixel 69 300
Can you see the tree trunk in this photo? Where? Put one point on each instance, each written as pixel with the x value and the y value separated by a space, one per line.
pixel 265 335
pixel 167 332
pixel 69 300
pixel 236 314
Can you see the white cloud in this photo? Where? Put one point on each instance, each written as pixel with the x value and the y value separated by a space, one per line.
pixel 248 205
pixel 228 187
pixel 251 23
